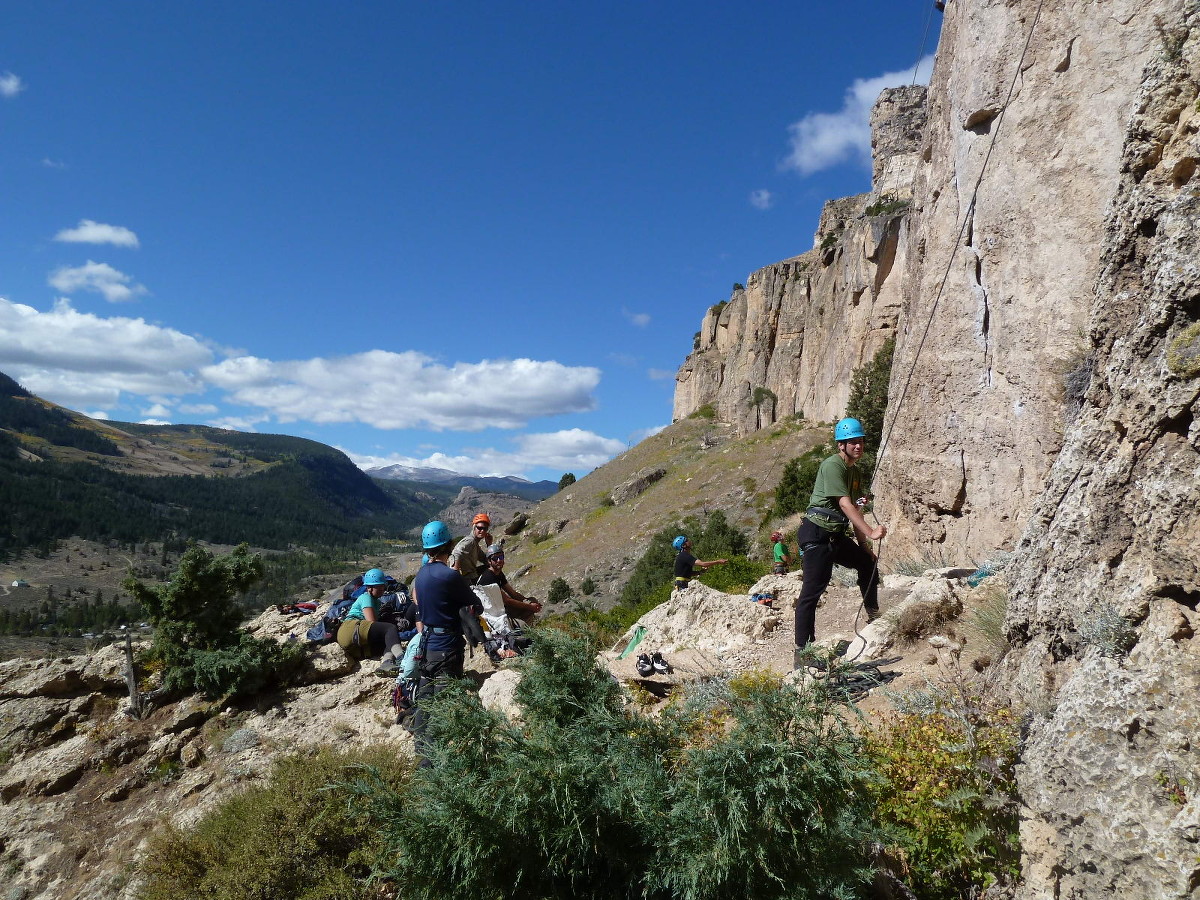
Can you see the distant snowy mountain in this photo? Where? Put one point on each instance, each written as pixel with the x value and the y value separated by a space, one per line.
pixel 501 484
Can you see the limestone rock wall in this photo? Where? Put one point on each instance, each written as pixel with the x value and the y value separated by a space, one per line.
pixel 799 328
pixel 897 136
pixel 983 419
pixel 789 340
pixel 1111 773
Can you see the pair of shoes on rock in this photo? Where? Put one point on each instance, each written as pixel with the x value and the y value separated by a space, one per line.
pixel 873 613
pixel 387 666
pixel 652 664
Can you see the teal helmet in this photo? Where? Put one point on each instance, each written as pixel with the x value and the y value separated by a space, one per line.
pixel 679 542
pixel 373 577
pixel 848 429
pixel 435 534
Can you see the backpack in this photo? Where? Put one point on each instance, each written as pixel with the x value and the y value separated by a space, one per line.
pixel 326 630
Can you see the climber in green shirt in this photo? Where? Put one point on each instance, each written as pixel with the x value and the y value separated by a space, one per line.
pixel 834 531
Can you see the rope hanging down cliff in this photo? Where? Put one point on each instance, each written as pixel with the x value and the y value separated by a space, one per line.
pixel 894 409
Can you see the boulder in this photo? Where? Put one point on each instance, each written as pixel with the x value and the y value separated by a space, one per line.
pixel 636 485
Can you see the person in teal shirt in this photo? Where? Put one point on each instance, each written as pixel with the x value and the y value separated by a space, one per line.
pixel 364 634
pixel 834 531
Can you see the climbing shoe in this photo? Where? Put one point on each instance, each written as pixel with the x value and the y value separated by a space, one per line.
pixel 387 666
pixel 644 666
pixel 872 614
pixel 661 666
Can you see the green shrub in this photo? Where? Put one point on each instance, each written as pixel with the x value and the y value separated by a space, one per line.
pixel 588 798
pixel 1102 627
pixel 197 641
pixel 587 587
pixel 559 591
pixel 567 480
pixel 796 482
pixel 736 576
pixel 869 393
pixel 293 838
pixel 948 790
pixel 707 411
pixel 885 206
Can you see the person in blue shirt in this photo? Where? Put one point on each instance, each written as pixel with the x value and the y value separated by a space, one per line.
pixel 363 633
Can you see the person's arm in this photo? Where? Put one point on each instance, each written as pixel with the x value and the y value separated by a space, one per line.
pixel 862 531
pixel 518 601
pixel 368 612
pixel 457 562
pixel 712 562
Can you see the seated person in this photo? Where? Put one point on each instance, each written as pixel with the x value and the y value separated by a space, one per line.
pixel 503 599
pixel 364 634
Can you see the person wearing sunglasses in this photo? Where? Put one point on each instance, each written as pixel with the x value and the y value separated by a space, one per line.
pixel 516 605
pixel 469 557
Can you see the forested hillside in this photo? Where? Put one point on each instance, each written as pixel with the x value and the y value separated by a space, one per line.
pixel 273 491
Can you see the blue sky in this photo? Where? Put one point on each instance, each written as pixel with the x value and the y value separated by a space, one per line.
pixel 478 236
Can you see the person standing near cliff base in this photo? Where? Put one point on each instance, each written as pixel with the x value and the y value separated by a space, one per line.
pixel 442 593
pixel 779 550
pixel 834 531
pixel 686 563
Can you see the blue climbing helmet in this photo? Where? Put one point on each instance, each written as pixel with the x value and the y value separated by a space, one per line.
pixel 435 534
pixel 679 542
pixel 848 429
pixel 374 577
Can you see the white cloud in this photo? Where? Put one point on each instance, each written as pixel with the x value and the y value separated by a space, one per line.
pixel 80 360
pixel 239 423
pixel 101 278
pixel 641 320
pixel 198 409
pixel 157 411
pixel 154 422
pixel 53 163
pixel 821 140
pixel 660 374
pixel 761 199
pixel 98 414
pixel 572 449
pixel 10 85
pixel 392 390
pixel 89 232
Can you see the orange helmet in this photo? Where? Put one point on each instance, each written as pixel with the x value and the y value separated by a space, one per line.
pixel 482 517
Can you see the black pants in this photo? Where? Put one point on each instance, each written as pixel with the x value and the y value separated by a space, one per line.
pixel 433 674
pixel 823 551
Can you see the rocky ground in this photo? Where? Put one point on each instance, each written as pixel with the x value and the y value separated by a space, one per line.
pixel 83 784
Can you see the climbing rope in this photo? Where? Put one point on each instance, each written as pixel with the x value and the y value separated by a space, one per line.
pixel 894 409
pixel 921 49
pixel 967 218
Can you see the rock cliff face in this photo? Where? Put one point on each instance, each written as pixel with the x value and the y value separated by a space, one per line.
pixel 1111 775
pixel 789 340
pixel 1045 290
pixel 985 414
